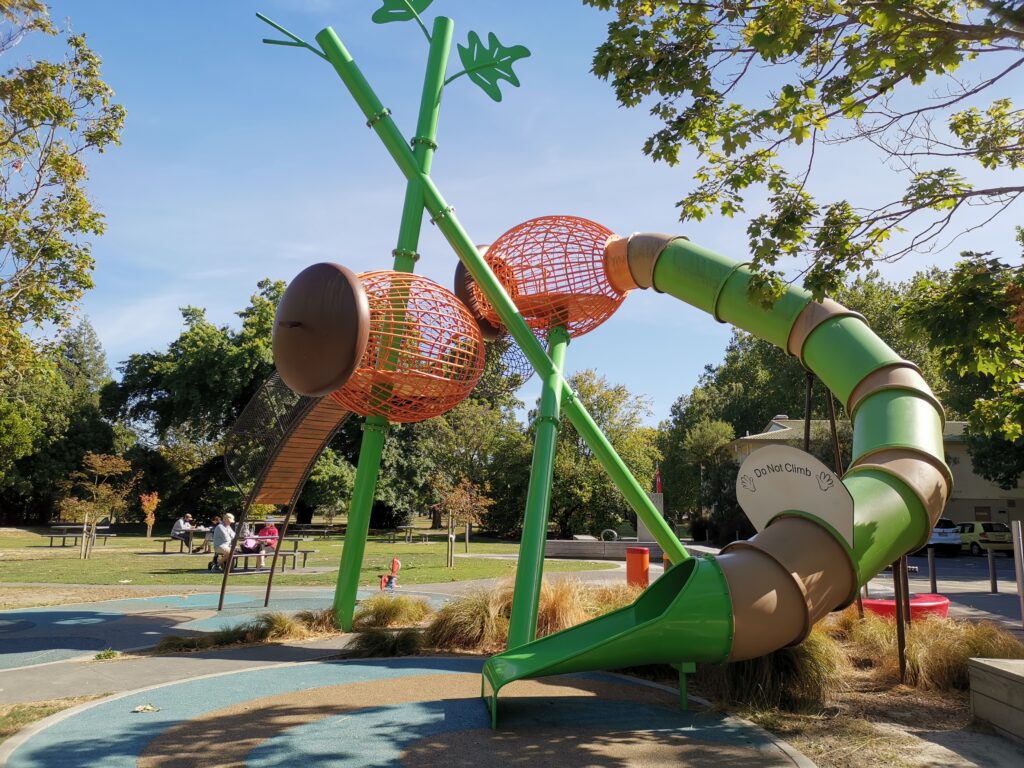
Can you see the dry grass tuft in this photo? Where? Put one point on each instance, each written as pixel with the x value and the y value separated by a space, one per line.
pixel 475 621
pixel 479 621
pixel 381 611
pixel 937 649
pixel 376 643
pixel 266 627
pixel 319 622
pixel 796 679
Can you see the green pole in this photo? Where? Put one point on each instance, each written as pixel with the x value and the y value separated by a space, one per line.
pixel 530 568
pixel 444 216
pixel 376 427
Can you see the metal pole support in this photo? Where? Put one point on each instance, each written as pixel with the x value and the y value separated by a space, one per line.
pixel 933 581
pixel 901 630
pixel 1017 529
pixel 905 585
pixel 993 583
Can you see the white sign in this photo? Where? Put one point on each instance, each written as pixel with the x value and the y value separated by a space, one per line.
pixel 781 478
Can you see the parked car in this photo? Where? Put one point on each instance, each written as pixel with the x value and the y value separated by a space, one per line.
pixel 945 538
pixel 978 537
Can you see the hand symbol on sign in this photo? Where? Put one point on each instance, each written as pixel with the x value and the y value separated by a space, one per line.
pixel 748 484
pixel 826 480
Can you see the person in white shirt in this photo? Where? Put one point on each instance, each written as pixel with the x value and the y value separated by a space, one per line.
pixel 182 529
pixel 222 537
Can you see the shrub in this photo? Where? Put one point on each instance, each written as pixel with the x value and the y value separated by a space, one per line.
pixel 319 622
pixel 479 621
pixel 375 643
pixel 796 678
pixel 382 611
pixel 475 621
pixel 937 649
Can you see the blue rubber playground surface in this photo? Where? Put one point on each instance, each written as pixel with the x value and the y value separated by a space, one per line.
pixel 409 712
pixel 58 633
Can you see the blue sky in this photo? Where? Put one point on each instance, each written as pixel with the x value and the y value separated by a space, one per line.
pixel 242 161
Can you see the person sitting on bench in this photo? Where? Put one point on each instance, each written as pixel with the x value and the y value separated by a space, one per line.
pixel 182 529
pixel 222 537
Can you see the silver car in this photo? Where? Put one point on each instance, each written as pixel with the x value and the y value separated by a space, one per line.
pixel 945 537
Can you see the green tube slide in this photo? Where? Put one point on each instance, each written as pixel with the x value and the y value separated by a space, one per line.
pixel 691 614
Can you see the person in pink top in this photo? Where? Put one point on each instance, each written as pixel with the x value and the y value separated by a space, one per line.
pixel 268 536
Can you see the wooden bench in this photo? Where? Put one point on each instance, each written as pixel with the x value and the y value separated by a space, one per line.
pixel 282 557
pixel 76 537
pixel 182 544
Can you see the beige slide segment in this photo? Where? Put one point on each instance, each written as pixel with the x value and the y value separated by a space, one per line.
pixel 903 375
pixel 930 481
pixel 783 581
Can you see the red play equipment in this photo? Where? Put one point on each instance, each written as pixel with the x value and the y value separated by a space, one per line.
pixel 920 605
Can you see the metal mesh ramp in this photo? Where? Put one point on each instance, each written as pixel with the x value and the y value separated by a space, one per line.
pixel 271 449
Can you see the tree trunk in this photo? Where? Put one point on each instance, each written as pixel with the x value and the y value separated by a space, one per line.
pixel 84 540
pixel 435 519
pixel 149 530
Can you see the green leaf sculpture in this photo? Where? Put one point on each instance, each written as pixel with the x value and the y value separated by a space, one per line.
pixel 399 10
pixel 487 66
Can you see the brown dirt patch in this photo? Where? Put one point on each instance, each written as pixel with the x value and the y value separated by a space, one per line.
pixel 39 595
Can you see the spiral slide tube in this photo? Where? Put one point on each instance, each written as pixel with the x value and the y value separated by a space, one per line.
pixel 767 592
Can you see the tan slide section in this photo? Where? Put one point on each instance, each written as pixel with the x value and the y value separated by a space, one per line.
pixel 782 581
pixel 930 481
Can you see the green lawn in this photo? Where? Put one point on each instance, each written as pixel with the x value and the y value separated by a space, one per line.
pixel 134 560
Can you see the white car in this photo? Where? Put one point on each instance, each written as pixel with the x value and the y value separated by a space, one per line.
pixel 945 537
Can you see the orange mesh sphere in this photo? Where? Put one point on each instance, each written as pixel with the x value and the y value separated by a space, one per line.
pixel 425 353
pixel 553 269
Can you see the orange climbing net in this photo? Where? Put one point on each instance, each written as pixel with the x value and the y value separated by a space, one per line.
pixel 553 269
pixel 425 353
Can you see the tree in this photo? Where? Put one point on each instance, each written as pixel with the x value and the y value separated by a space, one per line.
pixel 584 499
pixel 55 115
pixel 149 502
pixel 463 502
pixel 879 75
pixel 199 385
pixel 973 317
pixel 329 488
pixel 96 491
pixel 62 399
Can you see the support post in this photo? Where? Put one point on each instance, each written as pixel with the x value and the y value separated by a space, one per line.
pixel 1017 535
pixel 522 626
pixel 901 629
pixel 444 216
pixel 992 582
pixel 932 577
pixel 374 433
pixel 375 428
pixel 905 586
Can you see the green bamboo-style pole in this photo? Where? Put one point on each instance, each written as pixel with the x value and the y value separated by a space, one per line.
pixel 530 568
pixel 375 428
pixel 444 216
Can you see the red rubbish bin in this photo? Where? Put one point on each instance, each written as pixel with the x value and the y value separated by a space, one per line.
pixel 638 566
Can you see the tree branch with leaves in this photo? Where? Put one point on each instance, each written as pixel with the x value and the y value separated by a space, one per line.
pixel 816 74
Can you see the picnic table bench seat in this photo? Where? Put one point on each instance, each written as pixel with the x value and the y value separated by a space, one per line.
pixel 282 557
pixel 76 537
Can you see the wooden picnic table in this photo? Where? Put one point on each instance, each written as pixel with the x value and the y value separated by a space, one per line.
pixel 75 531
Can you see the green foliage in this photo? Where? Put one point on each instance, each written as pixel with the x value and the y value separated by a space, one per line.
pixel 329 488
pixel 199 385
pixel 56 114
pixel 584 499
pixel 100 489
pixel 827 74
pixel 972 317
pixel 487 66
pixel 399 10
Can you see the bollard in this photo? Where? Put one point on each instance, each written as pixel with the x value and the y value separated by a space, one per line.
pixel 638 564
pixel 992 571
pixel 931 571
pixel 1018 562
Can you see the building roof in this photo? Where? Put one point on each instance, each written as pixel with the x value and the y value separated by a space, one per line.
pixel 783 429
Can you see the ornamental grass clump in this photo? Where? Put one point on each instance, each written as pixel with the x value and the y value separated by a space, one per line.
pixel 479 621
pixel 802 677
pixel 382 611
pixel 472 622
pixel 377 643
pixel 937 648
